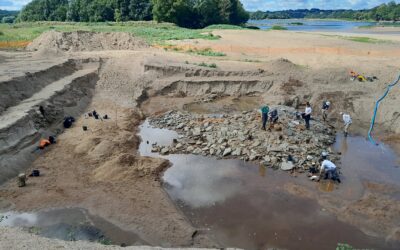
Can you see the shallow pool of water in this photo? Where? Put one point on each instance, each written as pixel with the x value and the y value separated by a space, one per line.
pixel 70 224
pixel 244 205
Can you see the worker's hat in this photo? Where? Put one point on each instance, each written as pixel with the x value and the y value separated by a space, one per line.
pixel 324 154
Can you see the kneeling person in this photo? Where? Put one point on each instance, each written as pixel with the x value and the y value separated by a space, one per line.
pixel 273 116
pixel 328 169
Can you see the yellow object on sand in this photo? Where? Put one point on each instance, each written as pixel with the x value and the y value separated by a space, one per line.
pixel 361 78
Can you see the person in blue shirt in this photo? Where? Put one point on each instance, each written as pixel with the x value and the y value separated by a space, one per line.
pixel 264 114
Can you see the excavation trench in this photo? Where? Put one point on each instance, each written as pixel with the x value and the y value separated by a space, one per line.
pixel 20 88
pixel 67 91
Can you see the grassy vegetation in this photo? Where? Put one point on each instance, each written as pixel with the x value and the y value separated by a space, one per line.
pixel 278 27
pixel 365 39
pixel 34 230
pixel 206 52
pixel 341 246
pixel 18 35
pixel 359 39
pixel 367 26
pixel 104 241
pixel 203 64
pixel 224 27
pixel 296 23
pixel 196 51
pixel 211 65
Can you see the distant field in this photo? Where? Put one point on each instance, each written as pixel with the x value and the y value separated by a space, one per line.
pixel 20 34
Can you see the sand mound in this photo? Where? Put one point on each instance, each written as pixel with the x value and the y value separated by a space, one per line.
pixel 54 41
pixel 126 166
pixel 282 65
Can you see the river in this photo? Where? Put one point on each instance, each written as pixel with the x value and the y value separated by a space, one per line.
pixel 313 25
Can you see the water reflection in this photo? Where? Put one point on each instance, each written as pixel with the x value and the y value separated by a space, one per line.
pixel 262 170
pixel 70 224
pixel 247 206
pixel 202 182
pixel 361 159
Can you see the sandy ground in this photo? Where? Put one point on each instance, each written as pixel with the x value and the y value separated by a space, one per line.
pixel 316 50
pixel 100 169
pixel 14 238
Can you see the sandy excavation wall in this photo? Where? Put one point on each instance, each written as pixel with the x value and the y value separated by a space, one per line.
pixel 216 86
pixel 20 88
pixel 170 70
pixel 54 41
pixel 19 140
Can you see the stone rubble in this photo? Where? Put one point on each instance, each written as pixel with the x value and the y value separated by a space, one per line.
pixel 287 145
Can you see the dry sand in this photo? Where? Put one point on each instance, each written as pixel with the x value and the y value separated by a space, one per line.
pixel 100 169
pixel 14 238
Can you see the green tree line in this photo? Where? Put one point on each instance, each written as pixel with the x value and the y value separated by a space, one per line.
pixel 383 12
pixel 185 13
pixel 7 16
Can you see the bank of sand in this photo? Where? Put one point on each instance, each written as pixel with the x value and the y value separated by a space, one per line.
pixel 100 169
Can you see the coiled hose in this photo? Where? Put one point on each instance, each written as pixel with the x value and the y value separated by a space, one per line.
pixel 371 128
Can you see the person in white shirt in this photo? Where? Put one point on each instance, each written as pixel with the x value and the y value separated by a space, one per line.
pixel 347 122
pixel 307 115
pixel 328 169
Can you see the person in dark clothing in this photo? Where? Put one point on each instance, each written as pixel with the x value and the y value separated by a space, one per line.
pixel 273 116
pixel 95 114
pixel 325 108
pixel 52 140
pixel 68 121
pixel 41 110
pixel 264 114
pixel 307 115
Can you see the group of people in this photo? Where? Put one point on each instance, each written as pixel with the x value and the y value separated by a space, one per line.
pixel 272 116
pixel 327 168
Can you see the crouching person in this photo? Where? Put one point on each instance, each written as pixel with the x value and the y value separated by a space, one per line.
pixel 328 170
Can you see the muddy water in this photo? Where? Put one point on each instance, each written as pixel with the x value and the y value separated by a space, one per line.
pixel 363 161
pixel 244 205
pixel 70 224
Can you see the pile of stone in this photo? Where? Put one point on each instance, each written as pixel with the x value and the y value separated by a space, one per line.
pixel 286 145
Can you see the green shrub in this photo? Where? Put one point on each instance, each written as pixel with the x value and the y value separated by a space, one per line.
pixel 208 52
pixel 278 27
pixel 224 27
pixel 341 246
pixel 203 64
